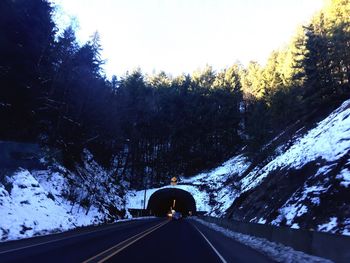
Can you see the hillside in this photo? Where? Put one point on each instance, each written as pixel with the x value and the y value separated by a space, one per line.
pixel 303 184
pixel 306 185
pixel 253 136
pixel 55 199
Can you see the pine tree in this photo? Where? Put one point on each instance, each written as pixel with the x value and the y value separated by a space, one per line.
pixel 27 33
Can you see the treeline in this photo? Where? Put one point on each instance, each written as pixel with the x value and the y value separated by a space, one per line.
pixel 311 74
pixel 53 90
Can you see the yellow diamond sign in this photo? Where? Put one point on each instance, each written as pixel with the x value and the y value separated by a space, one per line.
pixel 173 181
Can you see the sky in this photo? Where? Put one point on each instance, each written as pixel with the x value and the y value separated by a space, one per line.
pixel 181 36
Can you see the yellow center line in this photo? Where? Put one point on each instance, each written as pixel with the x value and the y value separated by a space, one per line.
pixel 122 245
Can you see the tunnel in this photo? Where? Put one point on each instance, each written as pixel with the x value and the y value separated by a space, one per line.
pixel 163 200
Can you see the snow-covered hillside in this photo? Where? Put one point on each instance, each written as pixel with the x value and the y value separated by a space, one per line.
pixel 56 199
pixel 304 186
pixel 306 183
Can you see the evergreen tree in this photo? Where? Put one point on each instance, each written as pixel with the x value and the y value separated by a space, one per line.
pixel 26 38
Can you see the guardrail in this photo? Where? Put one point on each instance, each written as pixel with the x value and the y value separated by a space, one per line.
pixel 331 246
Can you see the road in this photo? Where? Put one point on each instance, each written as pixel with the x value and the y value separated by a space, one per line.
pixel 151 240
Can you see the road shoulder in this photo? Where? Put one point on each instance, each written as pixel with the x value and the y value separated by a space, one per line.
pixel 230 249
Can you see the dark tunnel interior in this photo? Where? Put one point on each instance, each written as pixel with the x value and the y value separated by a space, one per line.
pixel 163 200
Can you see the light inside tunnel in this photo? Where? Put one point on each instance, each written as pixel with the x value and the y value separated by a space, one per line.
pixel 163 200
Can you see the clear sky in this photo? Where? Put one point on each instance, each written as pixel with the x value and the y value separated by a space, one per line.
pixel 183 35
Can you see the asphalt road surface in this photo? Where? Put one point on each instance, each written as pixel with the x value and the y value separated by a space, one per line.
pixel 151 240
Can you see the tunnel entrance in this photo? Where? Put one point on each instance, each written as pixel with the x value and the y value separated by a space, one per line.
pixel 163 200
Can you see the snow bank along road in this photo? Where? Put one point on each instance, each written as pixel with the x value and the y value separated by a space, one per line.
pixel 151 240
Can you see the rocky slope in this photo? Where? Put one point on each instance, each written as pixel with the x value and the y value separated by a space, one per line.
pixel 54 199
pixel 304 183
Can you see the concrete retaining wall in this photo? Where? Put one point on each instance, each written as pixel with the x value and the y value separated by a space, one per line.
pixel 330 246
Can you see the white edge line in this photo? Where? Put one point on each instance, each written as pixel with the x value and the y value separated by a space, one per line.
pixel 211 245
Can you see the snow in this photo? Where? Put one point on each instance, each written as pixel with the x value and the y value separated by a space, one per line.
pixel 135 199
pixel 215 182
pixel 295 226
pixel 203 187
pixel 346 232
pixel 346 229
pixel 33 203
pixel 40 202
pixel 261 221
pixel 290 212
pixel 344 175
pixel 27 210
pixel 277 252
pixel 235 166
pixel 325 169
pixel 295 206
pixel 330 140
pixel 214 191
pixel 35 206
pixel 328 227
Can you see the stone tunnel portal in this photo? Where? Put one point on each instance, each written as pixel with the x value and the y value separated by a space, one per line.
pixel 163 200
